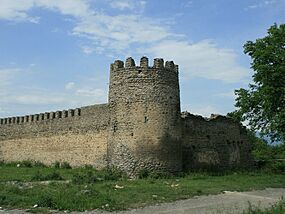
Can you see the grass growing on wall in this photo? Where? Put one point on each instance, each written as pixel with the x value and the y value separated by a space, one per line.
pixel 86 188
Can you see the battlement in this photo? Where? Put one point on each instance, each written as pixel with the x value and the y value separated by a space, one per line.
pixel 41 117
pixel 158 63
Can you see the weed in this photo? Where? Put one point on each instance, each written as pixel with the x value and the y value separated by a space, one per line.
pixel 82 178
pixel 38 176
pixel 144 173
pixel 56 164
pixel 278 208
pixel 88 166
pixel 113 174
pixel 65 165
pixel 26 163
pixel 39 164
pixel 46 201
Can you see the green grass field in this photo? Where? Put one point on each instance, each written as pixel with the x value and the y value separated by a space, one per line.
pixel 83 189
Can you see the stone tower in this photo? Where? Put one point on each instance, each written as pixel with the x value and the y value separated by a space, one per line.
pixel 145 117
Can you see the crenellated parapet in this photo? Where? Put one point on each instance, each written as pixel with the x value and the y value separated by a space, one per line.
pixel 47 116
pixel 158 63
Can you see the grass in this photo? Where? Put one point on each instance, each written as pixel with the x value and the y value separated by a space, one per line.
pixel 90 189
pixel 278 208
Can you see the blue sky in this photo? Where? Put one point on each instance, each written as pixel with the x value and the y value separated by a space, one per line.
pixel 55 54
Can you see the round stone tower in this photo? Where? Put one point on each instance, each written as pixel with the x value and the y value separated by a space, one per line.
pixel 145 116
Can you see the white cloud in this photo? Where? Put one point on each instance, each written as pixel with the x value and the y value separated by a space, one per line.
pixel 41 100
pixel 91 92
pixel 264 3
pixel 26 99
pixel 204 110
pixel 69 85
pixel 121 31
pixel 113 34
pixel 128 4
pixel 17 10
pixel 2 110
pixel 116 32
pixel 38 99
pixel 187 4
pixel 230 94
pixel 203 59
pixel 87 50
pixel 7 74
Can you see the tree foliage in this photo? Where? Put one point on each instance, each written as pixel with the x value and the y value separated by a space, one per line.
pixel 263 104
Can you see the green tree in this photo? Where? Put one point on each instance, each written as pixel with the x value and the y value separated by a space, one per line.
pixel 263 104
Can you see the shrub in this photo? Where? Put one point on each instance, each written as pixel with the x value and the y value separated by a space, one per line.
pixel 87 177
pixel 39 164
pixel 92 176
pixel 144 173
pixel 38 176
pixel 277 166
pixel 65 165
pixel 113 173
pixel 160 175
pixel 46 201
pixel 88 166
pixel 27 163
pixel 53 176
pixel 56 165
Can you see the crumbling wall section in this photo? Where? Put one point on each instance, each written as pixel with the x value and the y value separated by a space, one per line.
pixel 214 143
pixel 77 136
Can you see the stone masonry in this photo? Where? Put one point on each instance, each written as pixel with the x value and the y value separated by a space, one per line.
pixel 141 128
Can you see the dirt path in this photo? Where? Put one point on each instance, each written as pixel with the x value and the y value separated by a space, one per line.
pixel 229 202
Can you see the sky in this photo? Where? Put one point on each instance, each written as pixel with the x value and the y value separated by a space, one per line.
pixel 56 54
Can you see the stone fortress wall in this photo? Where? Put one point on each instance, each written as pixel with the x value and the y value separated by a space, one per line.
pixel 141 127
pixel 217 141
pixel 76 136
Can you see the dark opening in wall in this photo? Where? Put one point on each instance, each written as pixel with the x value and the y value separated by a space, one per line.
pixel 145 119
pixel 115 127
